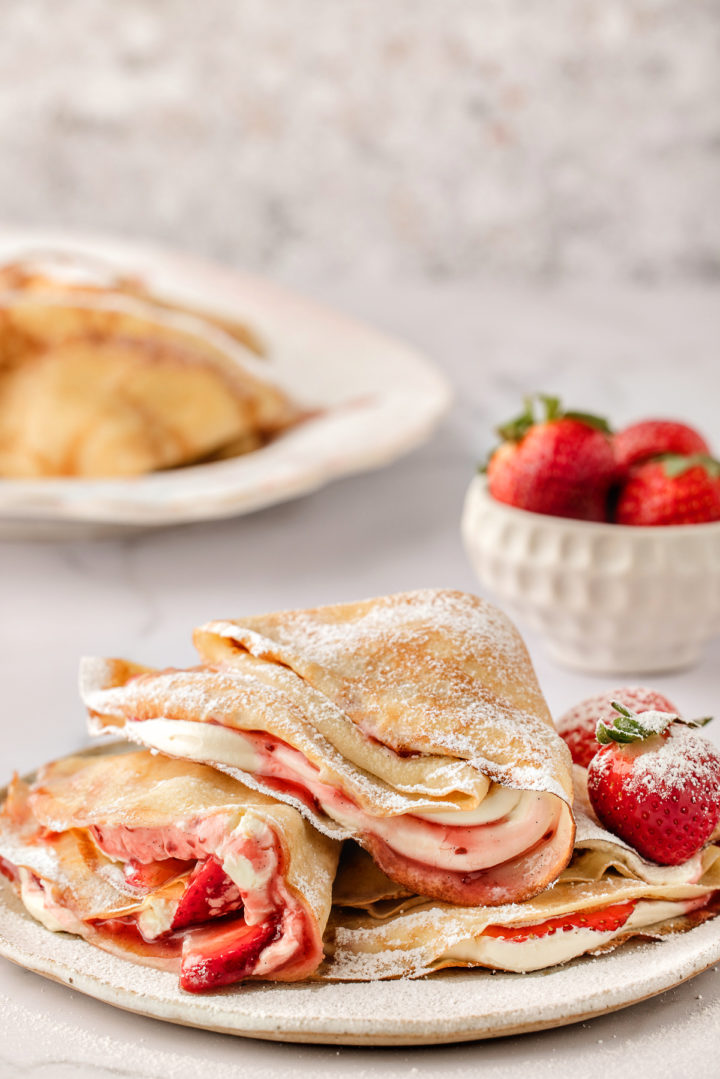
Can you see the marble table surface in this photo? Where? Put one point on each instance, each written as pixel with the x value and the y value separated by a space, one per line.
pixel 627 351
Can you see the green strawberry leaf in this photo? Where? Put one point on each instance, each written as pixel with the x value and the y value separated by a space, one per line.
pixel 598 422
pixel 630 727
pixel 516 429
pixel 675 464
pixel 550 408
pixel 553 407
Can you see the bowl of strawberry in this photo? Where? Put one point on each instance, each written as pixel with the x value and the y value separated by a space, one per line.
pixel 606 543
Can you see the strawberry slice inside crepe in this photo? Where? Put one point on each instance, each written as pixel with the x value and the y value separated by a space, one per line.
pixel 606 895
pixel 170 864
pixel 209 893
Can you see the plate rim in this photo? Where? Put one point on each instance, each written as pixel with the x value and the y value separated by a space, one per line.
pixel 197 1012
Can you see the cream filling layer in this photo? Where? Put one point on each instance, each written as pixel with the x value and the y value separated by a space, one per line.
pixel 558 947
pixel 505 824
pixel 248 855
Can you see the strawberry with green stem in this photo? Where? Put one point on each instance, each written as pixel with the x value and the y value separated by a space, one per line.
pixel 578 726
pixel 655 782
pixel 559 463
pixel 671 490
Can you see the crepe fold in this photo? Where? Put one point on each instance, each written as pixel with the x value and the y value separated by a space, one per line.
pixel 171 864
pixel 605 896
pixel 105 382
pixel 413 723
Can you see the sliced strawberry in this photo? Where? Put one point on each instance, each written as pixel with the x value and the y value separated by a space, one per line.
pixel 221 955
pixel 210 893
pixel 604 920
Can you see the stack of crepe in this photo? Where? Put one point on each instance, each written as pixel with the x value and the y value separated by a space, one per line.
pixel 411 727
pixel 101 378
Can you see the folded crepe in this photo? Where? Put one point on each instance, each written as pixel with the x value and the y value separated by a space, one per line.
pixel 170 864
pixel 413 723
pixel 605 896
pixel 72 274
pixel 105 384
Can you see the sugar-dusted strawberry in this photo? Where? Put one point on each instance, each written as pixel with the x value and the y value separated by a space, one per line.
pixel 210 893
pixel 222 954
pixel 578 725
pixel 561 464
pixel 655 782
pixel 652 438
pixel 671 490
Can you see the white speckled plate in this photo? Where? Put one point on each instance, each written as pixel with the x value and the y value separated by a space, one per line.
pixel 378 398
pixel 447 1007
pixel 450 1006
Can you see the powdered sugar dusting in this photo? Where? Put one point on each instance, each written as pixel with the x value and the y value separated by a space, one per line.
pixel 430 671
pixel 682 760
pixel 590 835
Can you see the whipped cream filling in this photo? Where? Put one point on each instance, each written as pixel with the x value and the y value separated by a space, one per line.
pixel 505 824
pixel 561 946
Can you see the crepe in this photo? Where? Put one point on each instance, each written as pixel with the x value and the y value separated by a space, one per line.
pixel 170 864
pixel 72 274
pixel 605 896
pixel 413 723
pixel 111 382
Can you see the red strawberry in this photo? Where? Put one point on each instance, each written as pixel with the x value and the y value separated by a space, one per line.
pixel 221 955
pixel 671 491
pixel 651 438
pixel 656 783
pixel 579 724
pixel 562 465
pixel 210 893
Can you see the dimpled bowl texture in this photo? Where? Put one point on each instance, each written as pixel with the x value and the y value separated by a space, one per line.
pixel 605 598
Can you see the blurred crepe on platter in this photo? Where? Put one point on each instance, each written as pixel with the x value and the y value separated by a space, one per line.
pixel 100 378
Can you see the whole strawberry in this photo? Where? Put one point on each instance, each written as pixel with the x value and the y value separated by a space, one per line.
pixel 656 783
pixel 672 490
pixel 652 438
pixel 578 725
pixel 561 464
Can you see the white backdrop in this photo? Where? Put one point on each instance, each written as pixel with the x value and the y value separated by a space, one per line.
pixel 569 138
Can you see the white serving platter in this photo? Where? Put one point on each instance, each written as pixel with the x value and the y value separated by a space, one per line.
pixel 451 1006
pixel 376 399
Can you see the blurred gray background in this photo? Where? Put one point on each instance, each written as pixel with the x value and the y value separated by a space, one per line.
pixel 564 140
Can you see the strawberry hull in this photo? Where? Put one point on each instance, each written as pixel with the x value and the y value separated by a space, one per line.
pixel 656 784
pixel 578 725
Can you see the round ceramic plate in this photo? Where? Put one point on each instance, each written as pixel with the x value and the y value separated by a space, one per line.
pixel 447 1007
pixel 375 399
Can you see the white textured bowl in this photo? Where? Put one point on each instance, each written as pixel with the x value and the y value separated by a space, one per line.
pixel 606 598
